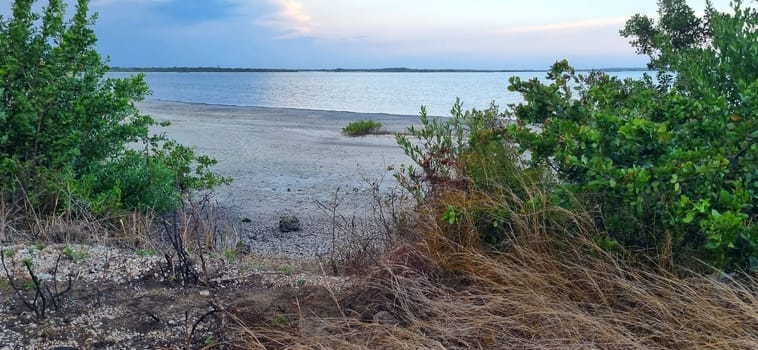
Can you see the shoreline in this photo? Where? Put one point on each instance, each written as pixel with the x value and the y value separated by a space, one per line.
pixel 284 162
pixel 390 115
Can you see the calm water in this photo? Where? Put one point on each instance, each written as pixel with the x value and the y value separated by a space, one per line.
pixel 395 93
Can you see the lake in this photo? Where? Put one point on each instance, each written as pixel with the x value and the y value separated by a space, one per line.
pixel 393 93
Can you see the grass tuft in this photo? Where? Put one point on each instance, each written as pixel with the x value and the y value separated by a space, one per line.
pixel 362 127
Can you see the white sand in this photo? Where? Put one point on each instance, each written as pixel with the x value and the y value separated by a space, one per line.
pixel 284 160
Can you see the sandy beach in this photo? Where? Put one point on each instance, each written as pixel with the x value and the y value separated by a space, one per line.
pixel 283 161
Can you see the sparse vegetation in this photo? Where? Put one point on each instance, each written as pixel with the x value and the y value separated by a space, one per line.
pixel 598 213
pixel 47 294
pixel 362 127
pixel 146 252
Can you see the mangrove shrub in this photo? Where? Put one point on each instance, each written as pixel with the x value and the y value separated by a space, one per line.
pixel 671 163
pixel 71 136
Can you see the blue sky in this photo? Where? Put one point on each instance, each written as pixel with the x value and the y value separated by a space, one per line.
pixel 480 34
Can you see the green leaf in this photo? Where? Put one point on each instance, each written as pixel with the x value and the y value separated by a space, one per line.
pixel 724 197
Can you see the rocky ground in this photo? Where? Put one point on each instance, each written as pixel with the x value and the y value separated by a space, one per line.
pixel 285 162
pixel 125 299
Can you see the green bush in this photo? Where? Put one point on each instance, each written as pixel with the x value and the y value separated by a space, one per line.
pixel 64 127
pixel 362 127
pixel 448 150
pixel 671 165
pixel 467 166
pixel 143 183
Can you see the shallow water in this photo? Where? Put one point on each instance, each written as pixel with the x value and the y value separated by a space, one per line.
pixel 394 93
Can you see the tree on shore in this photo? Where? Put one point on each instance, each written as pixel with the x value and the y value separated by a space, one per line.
pixel 70 136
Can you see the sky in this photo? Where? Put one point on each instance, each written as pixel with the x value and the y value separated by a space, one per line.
pixel 314 34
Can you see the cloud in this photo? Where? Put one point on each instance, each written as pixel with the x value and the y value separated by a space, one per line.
pixel 291 19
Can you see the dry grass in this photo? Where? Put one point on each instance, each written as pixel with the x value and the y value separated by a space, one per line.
pixel 21 220
pixel 550 287
pixel 201 222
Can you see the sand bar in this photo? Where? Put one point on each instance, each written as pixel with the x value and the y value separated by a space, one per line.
pixel 283 160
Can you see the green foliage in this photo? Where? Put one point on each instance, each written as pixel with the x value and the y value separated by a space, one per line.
pixel 361 127
pixel 69 252
pixel 64 127
pixel 440 143
pixel 28 285
pixel 467 152
pixel 36 246
pixel 280 320
pixel 469 146
pixel 139 182
pixel 209 340
pixel 669 164
pixel 230 254
pixel 146 252
pixel 450 215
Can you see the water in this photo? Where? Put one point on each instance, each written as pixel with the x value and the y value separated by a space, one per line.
pixel 394 93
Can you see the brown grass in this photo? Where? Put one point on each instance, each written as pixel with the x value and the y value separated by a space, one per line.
pixel 550 287
pixel 201 222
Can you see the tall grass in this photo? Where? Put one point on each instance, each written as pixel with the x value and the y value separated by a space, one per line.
pixel 546 286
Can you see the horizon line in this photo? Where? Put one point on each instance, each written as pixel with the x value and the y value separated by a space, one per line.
pixel 200 69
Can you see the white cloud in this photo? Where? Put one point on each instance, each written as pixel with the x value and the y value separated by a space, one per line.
pixel 291 19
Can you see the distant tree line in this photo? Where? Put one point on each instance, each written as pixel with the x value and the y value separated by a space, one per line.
pixel 342 70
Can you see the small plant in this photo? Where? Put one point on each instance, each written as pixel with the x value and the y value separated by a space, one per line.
pixel 362 127
pixel 146 252
pixel 209 340
pixel 36 246
pixel 9 253
pixel 69 253
pixel 230 254
pixel 450 215
pixel 287 270
pixel 280 320
pixel 28 285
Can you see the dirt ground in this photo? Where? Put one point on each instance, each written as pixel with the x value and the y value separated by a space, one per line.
pixel 131 305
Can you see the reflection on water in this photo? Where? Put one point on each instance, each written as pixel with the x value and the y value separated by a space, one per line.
pixel 395 93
